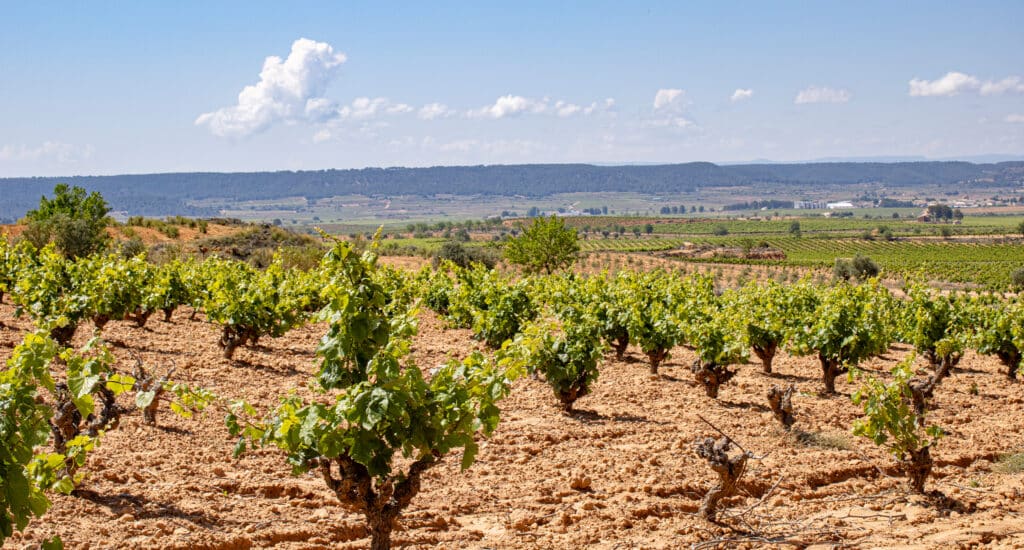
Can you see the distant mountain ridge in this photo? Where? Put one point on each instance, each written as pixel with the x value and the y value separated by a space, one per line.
pixel 167 194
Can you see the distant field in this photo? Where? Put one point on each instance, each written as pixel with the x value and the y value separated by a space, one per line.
pixel 987 263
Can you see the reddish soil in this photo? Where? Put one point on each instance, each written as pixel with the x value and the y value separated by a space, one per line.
pixel 619 473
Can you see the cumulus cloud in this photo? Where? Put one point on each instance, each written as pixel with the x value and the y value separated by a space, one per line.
pixel 951 84
pixel 668 110
pixel 824 94
pixel 674 121
pixel 433 111
pixel 1010 84
pixel 667 97
pixel 288 90
pixel 365 107
pixel 565 109
pixel 1015 118
pixel 515 105
pixel 48 150
pixel 741 94
pixel 954 83
pixel 510 105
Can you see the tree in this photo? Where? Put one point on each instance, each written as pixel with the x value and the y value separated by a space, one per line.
pixel 74 221
pixel 794 228
pixel 546 245
pixel 940 212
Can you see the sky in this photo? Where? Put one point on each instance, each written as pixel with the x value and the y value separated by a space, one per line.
pixel 144 87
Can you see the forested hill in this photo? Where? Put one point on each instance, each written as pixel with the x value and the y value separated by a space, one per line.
pixel 163 194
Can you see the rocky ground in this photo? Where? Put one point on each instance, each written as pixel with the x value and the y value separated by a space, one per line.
pixel 621 472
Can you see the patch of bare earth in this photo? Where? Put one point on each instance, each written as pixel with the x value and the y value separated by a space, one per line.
pixel 619 473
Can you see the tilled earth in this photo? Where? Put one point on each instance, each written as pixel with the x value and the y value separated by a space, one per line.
pixel 619 473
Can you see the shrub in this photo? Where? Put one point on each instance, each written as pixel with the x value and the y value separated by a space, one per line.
pixel 1017 278
pixel 860 268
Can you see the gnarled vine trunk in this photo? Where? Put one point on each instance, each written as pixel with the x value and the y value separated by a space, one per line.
pixel 63 335
pixel 711 376
pixel 231 339
pixel 830 370
pixel 781 403
pixel 656 357
pixel 1010 358
pixel 380 503
pixel 917 466
pixel 569 396
pixel 620 345
pixel 766 354
pixel 922 389
pixel 141 316
pixel 100 321
pixel 144 382
pixel 729 470
pixel 168 311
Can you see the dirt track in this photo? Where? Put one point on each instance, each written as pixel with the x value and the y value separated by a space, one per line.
pixel 621 473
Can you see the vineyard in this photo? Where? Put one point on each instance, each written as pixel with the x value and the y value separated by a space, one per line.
pixel 985 264
pixel 354 404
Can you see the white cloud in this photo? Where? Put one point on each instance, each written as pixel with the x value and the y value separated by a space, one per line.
pixel 510 105
pixel 289 90
pixel 951 84
pixel 666 97
pixel 365 107
pixel 1015 118
pixel 1011 84
pixel 816 94
pixel 53 150
pixel 433 111
pixel 741 94
pixel 568 109
pixel 668 107
pixel 669 122
pixel 514 105
pixel 565 109
pixel 954 83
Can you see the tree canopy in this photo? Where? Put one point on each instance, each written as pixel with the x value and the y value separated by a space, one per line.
pixel 546 245
pixel 71 219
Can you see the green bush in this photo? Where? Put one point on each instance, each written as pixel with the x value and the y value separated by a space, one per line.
pixel 462 256
pixel 860 268
pixel 1017 278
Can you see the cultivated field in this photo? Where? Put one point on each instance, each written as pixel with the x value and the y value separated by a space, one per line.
pixel 620 472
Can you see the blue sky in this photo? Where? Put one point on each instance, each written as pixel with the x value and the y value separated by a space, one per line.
pixel 106 88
